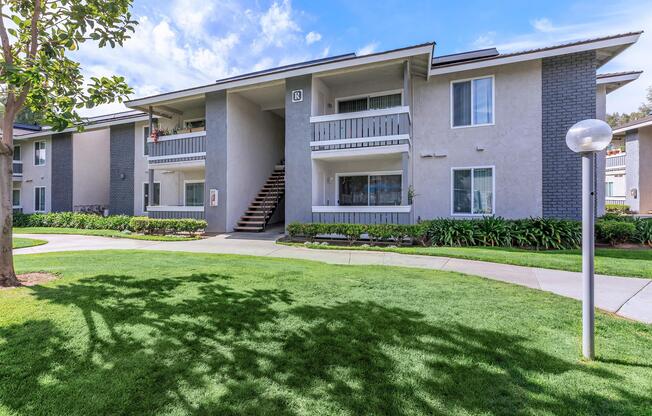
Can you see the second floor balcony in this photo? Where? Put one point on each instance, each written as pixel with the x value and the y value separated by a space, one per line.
pixel 616 162
pixel 173 148
pixel 370 128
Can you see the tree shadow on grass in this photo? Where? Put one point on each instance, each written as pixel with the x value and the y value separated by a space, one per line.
pixel 195 345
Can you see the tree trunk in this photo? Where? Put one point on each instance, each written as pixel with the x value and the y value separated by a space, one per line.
pixel 7 273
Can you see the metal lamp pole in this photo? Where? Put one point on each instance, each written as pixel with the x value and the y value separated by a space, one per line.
pixel 588 255
pixel 587 138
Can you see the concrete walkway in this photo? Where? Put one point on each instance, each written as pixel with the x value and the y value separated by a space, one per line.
pixel 628 297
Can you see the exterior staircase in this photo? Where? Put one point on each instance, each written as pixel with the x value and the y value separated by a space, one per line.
pixel 262 208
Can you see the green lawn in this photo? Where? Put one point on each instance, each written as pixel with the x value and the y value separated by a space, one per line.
pixel 608 261
pixel 27 242
pixel 99 233
pixel 148 333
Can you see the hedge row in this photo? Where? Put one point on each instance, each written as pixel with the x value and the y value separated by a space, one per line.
pixel 494 232
pixel 540 233
pixel 617 208
pixel 113 222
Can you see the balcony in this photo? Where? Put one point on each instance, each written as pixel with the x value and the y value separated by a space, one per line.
pixel 175 148
pixel 357 132
pixel 394 214
pixel 17 170
pixel 175 212
pixel 616 162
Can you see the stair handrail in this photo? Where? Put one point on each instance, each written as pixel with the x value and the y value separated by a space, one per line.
pixel 275 197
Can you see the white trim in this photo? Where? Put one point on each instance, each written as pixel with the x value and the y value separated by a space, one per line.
pixel 587 46
pixel 283 74
pixel 20 198
pixel 493 101
pixel 633 127
pixel 45 199
pixel 187 181
pixel 617 78
pixel 493 191
pixel 357 208
pixel 360 151
pixel 361 114
pixel 174 208
pixel 178 136
pixel 367 96
pixel 360 140
pixel 89 127
pixel 146 139
pixel 367 174
pixel 45 153
pixel 177 156
pixel 174 165
pixel 160 191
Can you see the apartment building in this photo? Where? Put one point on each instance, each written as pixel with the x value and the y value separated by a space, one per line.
pixel 65 171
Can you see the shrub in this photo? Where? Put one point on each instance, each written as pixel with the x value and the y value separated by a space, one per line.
pixel 493 232
pixel 377 233
pixel 616 208
pixel 113 222
pixel 643 231
pixel 615 232
pixel 398 233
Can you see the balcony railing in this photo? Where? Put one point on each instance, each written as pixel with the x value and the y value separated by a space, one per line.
pixel 615 200
pixel 616 161
pixel 400 214
pixel 174 211
pixel 390 126
pixel 18 168
pixel 177 148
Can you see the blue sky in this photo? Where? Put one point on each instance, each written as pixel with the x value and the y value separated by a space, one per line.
pixel 185 43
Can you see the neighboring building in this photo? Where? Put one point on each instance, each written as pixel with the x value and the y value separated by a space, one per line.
pixel 629 166
pixel 391 137
pixel 64 171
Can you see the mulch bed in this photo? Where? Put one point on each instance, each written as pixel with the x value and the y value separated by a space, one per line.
pixel 33 279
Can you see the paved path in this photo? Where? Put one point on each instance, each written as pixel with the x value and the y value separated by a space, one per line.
pixel 627 297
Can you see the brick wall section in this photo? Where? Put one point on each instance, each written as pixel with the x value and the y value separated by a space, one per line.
pixel 62 172
pixel 121 199
pixel 569 95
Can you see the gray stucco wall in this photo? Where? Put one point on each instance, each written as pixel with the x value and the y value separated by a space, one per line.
pixel 121 186
pixel 645 170
pixel 298 165
pixel 632 159
pixel 62 172
pixel 216 157
pixel 568 96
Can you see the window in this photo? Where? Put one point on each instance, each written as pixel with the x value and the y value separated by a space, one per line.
pixel 39 199
pixel 472 102
pixel 473 191
pixel 39 153
pixel 609 191
pixel 195 123
pixel 374 102
pixel 194 194
pixel 16 153
pixel 157 195
pixel 15 198
pixel 372 189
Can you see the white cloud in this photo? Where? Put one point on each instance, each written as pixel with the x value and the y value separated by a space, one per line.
pixel 277 26
pixel 313 37
pixel 543 25
pixel 484 41
pixel 368 49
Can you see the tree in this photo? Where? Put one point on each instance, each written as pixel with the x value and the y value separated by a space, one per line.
pixel 644 110
pixel 36 72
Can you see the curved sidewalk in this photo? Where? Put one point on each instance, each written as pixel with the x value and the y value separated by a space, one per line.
pixel 627 297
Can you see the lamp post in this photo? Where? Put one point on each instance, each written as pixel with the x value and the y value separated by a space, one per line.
pixel 587 138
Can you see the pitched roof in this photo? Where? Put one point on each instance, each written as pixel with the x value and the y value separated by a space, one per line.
pixel 641 122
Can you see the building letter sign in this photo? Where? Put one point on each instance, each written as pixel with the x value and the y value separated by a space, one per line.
pixel 297 96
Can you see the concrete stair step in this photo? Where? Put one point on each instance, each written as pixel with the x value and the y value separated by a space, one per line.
pixel 248 229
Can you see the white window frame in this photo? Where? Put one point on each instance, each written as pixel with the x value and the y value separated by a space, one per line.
pixel 367 174
pixel 20 198
pixel 375 94
pixel 193 181
pixel 17 146
pixel 160 196
pixel 493 102
pixel 145 140
pixel 493 191
pixel 45 196
pixel 608 185
pixel 45 153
